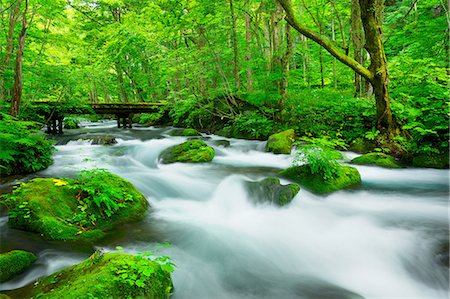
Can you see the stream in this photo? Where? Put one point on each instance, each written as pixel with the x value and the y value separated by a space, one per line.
pixel 381 240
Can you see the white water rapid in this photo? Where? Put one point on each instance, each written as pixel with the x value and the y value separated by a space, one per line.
pixel 379 241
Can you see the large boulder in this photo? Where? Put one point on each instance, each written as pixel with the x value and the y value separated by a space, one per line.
pixel 15 262
pixel 111 275
pixel 377 159
pixel 347 177
pixel 280 143
pixel 270 190
pixel 83 209
pixel 193 151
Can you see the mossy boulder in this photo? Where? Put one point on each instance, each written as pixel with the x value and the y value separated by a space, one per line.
pixel 193 151
pixel 431 161
pixel 346 177
pixel 280 143
pixel 111 275
pixel 377 159
pixel 361 146
pixel 190 132
pixel 66 209
pixel 15 262
pixel 270 190
pixel 102 140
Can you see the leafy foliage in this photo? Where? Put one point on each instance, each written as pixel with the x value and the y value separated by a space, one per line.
pixel 23 148
pixel 321 161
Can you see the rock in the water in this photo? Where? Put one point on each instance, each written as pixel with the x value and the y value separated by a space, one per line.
pixel 221 143
pixel 190 132
pixel 71 123
pixel 60 209
pixel 280 143
pixel 111 275
pixel 348 177
pixel 270 190
pixel 377 159
pixel 103 140
pixel 194 151
pixel 15 262
pixel 431 161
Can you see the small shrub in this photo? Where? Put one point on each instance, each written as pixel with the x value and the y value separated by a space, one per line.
pixel 321 161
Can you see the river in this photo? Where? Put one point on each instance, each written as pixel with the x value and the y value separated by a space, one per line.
pixel 378 241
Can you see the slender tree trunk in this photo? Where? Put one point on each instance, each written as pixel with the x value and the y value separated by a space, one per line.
pixel 333 37
pixel 248 57
pixel 357 39
pixel 285 62
pixel 14 15
pixel 122 92
pixel 237 80
pixel 17 88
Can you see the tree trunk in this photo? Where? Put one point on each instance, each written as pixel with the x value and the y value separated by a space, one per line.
pixel 248 57
pixel 376 73
pixel 378 65
pixel 357 39
pixel 235 48
pixel 17 89
pixel 122 92
pixel 285 62
pixel 14 14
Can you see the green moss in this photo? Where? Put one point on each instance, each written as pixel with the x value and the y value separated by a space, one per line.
pixel 431 161
pixel 14 262
pixel 190 132
pixel 347 177
pixel 71 123
pixel 280 143
pixel 270 190
pixel 112 275
pixel 3 296
pixel 361 146
pixel 378 159
pixel 51 207
pixel 193 151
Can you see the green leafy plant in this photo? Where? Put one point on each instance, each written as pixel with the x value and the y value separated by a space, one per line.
pixel 23 148
pixel 97 199
pixel 321 161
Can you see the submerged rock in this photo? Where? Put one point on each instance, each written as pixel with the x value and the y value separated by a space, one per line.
pixel 377 159
pixel 221 143
pixel 111 275
pixel 15 262
pixel 60 209
pixel 280 143
pixel 270 190
pixel 347 177
pixel 102 140
pixel 193 151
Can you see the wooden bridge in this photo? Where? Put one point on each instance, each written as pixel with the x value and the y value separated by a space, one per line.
pixel 123 112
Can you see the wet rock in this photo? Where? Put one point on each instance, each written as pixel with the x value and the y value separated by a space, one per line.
pixel 15 262
pixel 347 177
pixel 377 159
pixel 221 143
pixel 280 143
pixel 270 190
pixel 431 161
pixel 194 151
pixel 71 123
pixel 102 140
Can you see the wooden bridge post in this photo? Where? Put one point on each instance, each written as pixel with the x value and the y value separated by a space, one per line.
pixel 118 120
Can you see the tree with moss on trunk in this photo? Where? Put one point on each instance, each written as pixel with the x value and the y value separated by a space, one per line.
pixel 376 73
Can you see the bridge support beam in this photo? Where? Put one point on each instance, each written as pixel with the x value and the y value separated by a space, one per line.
pixel 124 120
pixel 55 124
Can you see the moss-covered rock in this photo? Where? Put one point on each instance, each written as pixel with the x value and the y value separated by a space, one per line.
pixel 280 143
pixel 190 132
pixel 15 262
pixel 347 177
pixel 60 209
pixel 193 151
pixel 361 146
pixel 271 190
pixel 431 161
pixel 377 159
pixel 111 275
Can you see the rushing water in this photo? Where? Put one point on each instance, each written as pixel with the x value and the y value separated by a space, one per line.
pixel 380 241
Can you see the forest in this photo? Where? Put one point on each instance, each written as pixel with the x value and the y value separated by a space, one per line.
pixel 336 99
